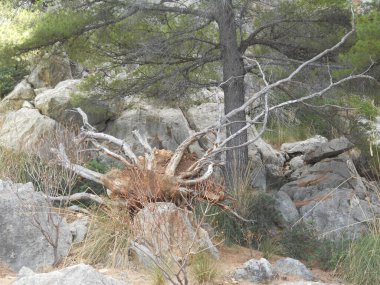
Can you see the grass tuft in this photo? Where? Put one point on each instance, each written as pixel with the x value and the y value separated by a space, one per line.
pixel 108 237
pixel 204 268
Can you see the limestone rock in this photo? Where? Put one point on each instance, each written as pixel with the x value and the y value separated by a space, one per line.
pixel 78 229
pixel 328 173
pixel 54 102
pixel 296 162
pixel 169 231
pixel 99 110
pixel 80 274
pixel 328 149
pixel 255 271
pixel 332 198
pixel 286 208
pixel 24 213
pixel 273 161
pixel 24 129
pixel 303 146
pixel 338 213
pixel 14 100
pixel 204 115
pixel 293 267
pixel 165 128
pixel 50 70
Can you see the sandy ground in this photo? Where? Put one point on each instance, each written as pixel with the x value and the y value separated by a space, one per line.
pixel 231 258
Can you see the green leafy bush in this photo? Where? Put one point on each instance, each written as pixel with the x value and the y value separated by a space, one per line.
pixel 299 242
pixel 270 247
pixel 85 185
pixel 257 207
pixel 9 77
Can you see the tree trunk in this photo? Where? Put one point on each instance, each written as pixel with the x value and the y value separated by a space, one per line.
pixel 233 87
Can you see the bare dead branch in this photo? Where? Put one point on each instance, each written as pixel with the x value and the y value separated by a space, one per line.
pixel 77 197
pixel 178 154
pixel 77 169
pixel 118 142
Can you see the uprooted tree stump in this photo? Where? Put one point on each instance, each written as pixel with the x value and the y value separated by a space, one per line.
pixel 157 176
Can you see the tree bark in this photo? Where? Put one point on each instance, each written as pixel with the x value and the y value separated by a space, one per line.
pixel 233 87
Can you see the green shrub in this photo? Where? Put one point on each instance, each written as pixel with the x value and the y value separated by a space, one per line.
pixel 9 77
pixel 330 254
pixel 258 207
pixel 270 247
pixel 362 262
pixel 90 186
pixel 299 242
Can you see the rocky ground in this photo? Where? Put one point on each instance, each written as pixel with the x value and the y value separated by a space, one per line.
pixel 231 259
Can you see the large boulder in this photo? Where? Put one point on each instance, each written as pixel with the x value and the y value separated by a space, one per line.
pixel 292 266
pixel 328 149
pixel 338 213
pixel 336 172
pixel 332 198
pixel 55 102
pixel 286 208
pixel 14 100
pixel 170 232
pixel 274 163
pixel 302 147
pixel 204 115
pixel 165 128
pixel 31 233
pixel 255 270
pixel 50 70
pixel 80 274
pixel 24 129
pixel 100 110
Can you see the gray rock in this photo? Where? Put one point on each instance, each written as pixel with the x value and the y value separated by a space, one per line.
pixel 296 162
pixel 328 173
pixel 50 70
pixel 25 129
pixel 303 146
pixel 25 271
pixel 259 180
pixel 339 213
pixel 273 161
pixel 255 270
pixel 26 223
pixel 286 208
pixel 204 115
pixel 165 128
pixel 54 102
pixel 80 274
pixel 78 229
pixel 328 149
pixel 170 232
pixel 14 101
pixel 293 267
pixel 99 110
